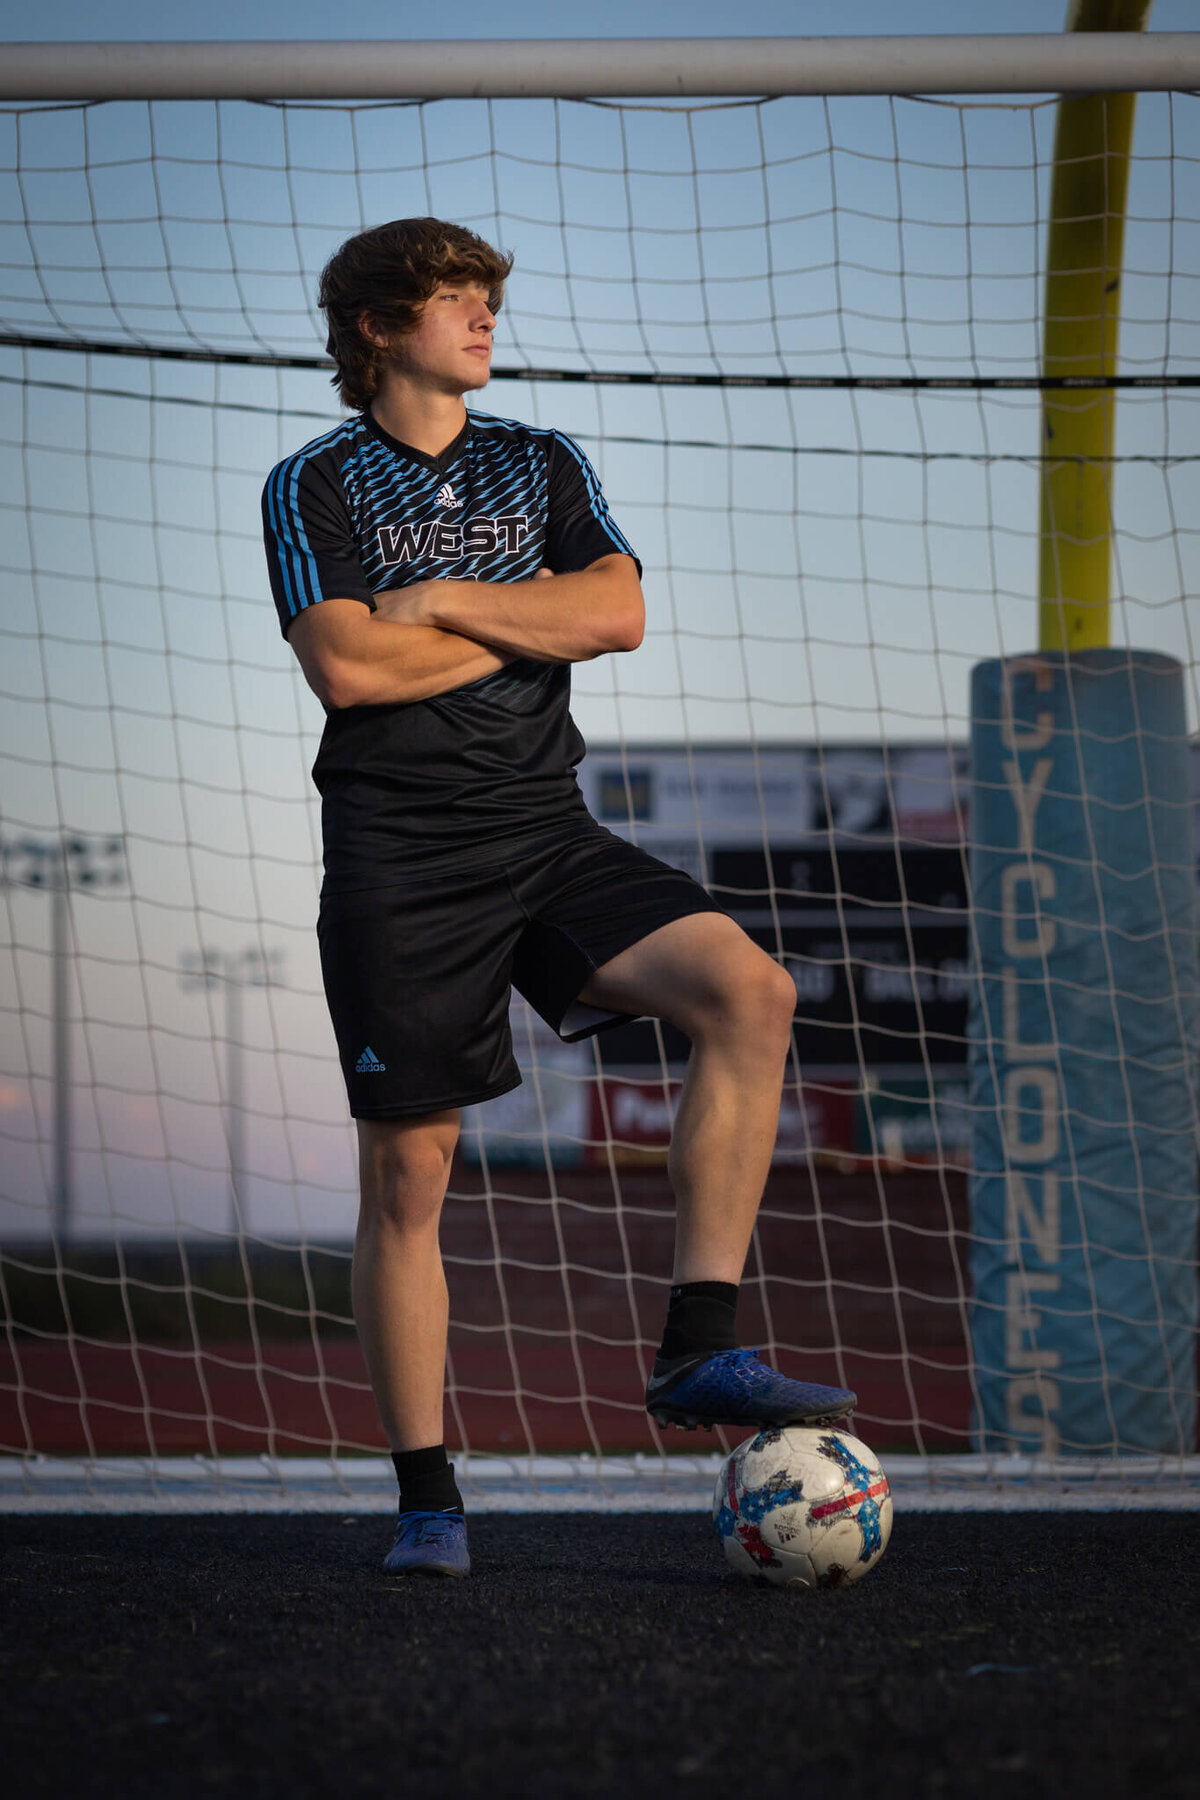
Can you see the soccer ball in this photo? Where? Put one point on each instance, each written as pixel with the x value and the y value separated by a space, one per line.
pixel 803 1508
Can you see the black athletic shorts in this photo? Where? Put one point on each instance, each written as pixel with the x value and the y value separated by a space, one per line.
pixel 418 974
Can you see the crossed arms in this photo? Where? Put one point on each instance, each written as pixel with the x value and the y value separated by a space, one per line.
pixel 437 635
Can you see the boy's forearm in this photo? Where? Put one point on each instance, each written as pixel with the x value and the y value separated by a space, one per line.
pixel 563 618
pixel 424 661
pixel 354 658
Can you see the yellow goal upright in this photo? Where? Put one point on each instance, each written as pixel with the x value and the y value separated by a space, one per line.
pixel 1082 314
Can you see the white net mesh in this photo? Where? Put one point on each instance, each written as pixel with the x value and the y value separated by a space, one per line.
pixel 824 565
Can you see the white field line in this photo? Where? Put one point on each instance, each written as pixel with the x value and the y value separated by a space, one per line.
pixel 570 1484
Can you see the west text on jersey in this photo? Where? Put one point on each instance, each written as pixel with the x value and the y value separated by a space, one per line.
pixel 435 538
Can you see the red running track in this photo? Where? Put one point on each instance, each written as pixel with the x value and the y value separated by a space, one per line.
pixel 868 1290
pixel 308 1400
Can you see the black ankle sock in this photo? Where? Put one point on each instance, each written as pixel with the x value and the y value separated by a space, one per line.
pixel 426 1480
pixel 700 1317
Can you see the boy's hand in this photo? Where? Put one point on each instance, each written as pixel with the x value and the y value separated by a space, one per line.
pixel 407 605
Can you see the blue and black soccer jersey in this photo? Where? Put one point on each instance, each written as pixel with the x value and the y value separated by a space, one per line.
pixel 453 778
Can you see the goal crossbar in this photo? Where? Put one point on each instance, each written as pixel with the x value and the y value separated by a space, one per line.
pixel 1070 63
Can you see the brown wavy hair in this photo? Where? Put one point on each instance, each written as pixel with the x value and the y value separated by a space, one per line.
pixel 390 272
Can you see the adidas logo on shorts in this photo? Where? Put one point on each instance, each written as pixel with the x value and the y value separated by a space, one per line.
pixel 369 1064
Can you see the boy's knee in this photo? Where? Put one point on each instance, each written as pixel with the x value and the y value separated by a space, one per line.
pixel 770 998
pixel 404 1168
pixel 753 994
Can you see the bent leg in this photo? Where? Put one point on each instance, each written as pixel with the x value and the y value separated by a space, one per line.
pixel 705 976
pixel 397 1282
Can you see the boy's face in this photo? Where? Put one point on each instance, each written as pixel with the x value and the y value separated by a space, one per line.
pixel 449 350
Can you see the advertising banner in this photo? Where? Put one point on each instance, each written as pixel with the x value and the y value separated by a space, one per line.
pixel 637 1110
pixel 901 1123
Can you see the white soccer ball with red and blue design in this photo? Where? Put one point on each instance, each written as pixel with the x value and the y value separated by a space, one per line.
pixel 803 1507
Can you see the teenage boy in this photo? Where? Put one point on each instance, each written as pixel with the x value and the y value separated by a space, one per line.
pixel 437 572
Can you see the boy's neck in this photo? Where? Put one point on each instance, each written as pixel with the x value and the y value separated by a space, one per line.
pixel 427 420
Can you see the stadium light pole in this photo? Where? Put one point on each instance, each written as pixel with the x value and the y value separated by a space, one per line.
pixel 233 970
pixel 62 864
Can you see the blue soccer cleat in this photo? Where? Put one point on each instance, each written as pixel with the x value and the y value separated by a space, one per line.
pixel 429 1543
pixel 733 1387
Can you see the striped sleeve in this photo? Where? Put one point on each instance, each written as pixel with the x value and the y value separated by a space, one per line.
pixel 580 529
pixel 311 550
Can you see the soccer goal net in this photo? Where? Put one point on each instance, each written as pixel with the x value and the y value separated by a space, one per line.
pixel 801 339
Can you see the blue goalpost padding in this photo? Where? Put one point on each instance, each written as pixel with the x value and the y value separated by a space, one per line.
pixel 1082 1041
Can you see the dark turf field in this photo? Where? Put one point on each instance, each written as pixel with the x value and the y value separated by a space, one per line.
pixel 588 1655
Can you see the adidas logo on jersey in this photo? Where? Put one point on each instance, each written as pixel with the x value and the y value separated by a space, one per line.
pixel 369 1064
pixel 445 497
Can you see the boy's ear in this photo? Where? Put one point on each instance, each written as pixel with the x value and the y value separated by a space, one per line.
pixel 374 332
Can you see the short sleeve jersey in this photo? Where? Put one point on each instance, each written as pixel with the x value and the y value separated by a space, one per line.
pixel 453 779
